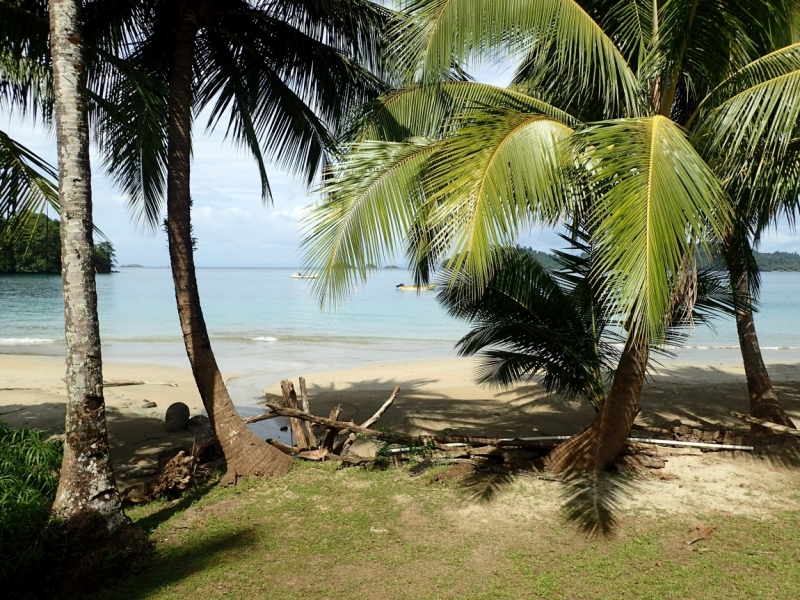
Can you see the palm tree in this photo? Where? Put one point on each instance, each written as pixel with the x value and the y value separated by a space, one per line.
pixel 530 320
pixel 624 113
pixel 282 74
pixel 86 486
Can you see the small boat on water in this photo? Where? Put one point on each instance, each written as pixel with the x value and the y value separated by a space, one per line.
pixel 304 275
pixel 431 287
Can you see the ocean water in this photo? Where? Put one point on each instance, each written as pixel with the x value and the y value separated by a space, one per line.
pixel 266 325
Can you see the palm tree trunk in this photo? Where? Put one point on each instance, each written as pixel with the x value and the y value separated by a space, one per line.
pixel 244 452
pixel 87 489
pixel 764 402
pixel 597 446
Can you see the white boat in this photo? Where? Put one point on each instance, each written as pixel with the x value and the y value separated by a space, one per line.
pixel 304 275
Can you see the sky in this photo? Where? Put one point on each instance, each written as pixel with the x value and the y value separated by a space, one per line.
pixel 233 227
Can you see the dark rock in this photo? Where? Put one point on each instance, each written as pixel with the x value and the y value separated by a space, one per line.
pixel 149 404
pixel 177 417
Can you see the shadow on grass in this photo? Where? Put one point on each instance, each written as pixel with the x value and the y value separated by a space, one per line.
pixel 592 499
pixel 169 509
pixel 483 486
pixel 176 564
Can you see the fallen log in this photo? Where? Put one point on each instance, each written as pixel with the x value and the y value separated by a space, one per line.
pixel 283 447
pixel 128 383
pixel 290 402
pixel 312 440
pixel 371 421
pixel 775 426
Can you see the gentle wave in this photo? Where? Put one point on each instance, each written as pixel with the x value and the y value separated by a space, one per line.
pixel 25 341
pixel 263 338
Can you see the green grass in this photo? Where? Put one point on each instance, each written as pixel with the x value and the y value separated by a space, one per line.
pixel 322 533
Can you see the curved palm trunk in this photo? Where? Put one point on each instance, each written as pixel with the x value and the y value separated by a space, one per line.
pixel 764 402
pixel 597 446
pixel 86 489
pixel 244 452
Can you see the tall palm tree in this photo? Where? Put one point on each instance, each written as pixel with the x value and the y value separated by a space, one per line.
pixel 281 74
pixel 86 485
pixel 625 113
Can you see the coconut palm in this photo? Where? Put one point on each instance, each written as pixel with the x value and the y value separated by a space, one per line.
pixel 531 320
pixel 630 114
pixel 86 486
pixel 278 76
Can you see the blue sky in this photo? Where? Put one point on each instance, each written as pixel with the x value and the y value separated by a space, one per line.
pixel 233 227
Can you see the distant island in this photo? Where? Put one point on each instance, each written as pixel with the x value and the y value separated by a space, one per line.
pixel 37 249
pixel 132 266
pixel 766 261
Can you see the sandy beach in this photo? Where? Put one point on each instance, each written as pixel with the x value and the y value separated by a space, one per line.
pixel 435 395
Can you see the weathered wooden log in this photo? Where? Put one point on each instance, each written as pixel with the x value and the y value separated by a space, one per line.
pixel 330 435
pixel 312 439
pixel 371 421
pixel 290 403
pixel 650 429
pixel 768 424
pixel 283 447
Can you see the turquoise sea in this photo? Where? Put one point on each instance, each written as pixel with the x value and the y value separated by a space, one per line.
pixel 266 325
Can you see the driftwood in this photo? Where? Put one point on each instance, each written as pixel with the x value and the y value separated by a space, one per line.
pixel 261 417
pixel 283 447
pixel 290 403
pixel 312 440
pixel 775 426
pixel 330 435
pixel 127 383
pixel 371 421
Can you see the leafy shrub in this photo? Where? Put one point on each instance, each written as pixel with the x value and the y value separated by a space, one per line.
pixel 29 464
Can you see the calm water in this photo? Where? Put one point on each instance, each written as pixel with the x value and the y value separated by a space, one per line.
pixel 266 325
pixel 268 307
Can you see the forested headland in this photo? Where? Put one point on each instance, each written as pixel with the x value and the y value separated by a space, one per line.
pixel 37 249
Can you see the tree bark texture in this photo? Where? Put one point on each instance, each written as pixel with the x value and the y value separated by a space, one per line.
pixel 764 402
pixel 597 446
pixel 245 453
pixel 87 489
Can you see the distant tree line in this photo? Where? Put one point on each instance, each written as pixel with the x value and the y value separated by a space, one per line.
pixel 767 261
pixel 37 249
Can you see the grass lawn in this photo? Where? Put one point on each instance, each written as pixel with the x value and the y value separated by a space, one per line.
pixel 323 533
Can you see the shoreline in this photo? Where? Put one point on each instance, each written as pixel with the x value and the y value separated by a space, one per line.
pixel 436 394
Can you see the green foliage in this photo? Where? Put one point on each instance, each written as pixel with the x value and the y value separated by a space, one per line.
pixel 29 465
pixel 103 257
pixel 34 246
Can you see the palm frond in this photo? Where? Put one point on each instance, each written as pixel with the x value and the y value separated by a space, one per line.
pixel 440 33
pixel 755 110
pixel 369 200
pixel 424 110
pixel 27 184
pixel 496 174
pixel 654 199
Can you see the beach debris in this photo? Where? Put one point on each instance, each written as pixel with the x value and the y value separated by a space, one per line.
pixel 299 429
pixel 310 437
pixel 206 446
pixel 290 450
pixel 686 433
pixel 177 417
pixel 177 476
pixel 371 421
pixel 149 404
pixel 330 434
pixel 767 424
pixel 113 383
